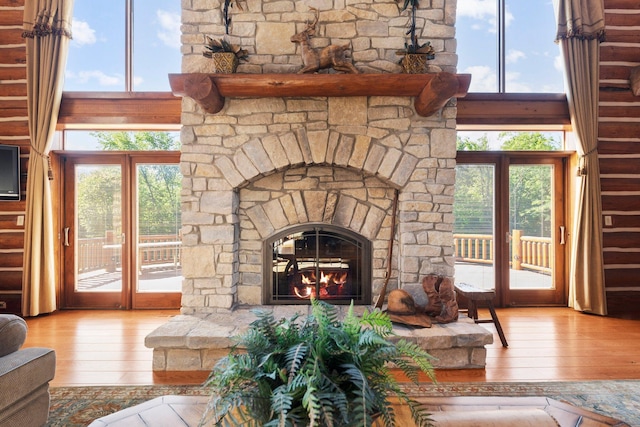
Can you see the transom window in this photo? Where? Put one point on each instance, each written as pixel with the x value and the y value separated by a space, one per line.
pixel 123 45
pixel 508 46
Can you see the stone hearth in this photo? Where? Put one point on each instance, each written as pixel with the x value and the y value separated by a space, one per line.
pixel 188 343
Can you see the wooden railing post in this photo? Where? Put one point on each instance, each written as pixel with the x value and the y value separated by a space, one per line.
pixel 109 254
pixel 516 249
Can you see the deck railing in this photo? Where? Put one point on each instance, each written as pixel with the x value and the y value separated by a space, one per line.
pixel 104 254
pixel 528 252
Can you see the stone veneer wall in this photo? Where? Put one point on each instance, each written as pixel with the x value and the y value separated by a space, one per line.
pixel 261 165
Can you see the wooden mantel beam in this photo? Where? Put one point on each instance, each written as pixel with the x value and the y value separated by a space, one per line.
pixel 432 91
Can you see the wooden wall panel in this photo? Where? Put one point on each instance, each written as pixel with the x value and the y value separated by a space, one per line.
pixel 622 4
pixel 620 165
pixel 624 278
pixel 11 36
pixel 620 184
pixel 628 130
pixel 608 72
pixel 12 3
pixel 12 259
pixel 13 55
pixel 18 72
pixel 11 281
pixel 11 240
pixel 621 203
pixel 13 90
pixel 11 17
pixel 619 147
pixel 622 239
pixel 625 221
pixel 14 130
pixel 620 110
pixel 618 53
pixel 621 257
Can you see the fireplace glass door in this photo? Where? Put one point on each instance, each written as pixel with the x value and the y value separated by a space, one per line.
pixel 320 262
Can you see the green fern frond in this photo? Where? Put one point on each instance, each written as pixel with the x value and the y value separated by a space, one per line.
pixel 281 402
pixel 419 413
pixel 420 357
pixel 378 321
pixel 295 358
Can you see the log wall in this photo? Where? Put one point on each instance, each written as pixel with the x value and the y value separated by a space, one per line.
pixel 14 130
pixel 619 148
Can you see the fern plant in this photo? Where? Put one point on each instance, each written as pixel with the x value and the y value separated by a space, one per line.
pixel 315 371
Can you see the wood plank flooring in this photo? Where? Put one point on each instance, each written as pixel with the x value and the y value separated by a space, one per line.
pixel 545 344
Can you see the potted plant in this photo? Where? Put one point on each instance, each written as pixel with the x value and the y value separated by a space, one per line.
pixel 315 371
pixel 414 55
pixel 225 56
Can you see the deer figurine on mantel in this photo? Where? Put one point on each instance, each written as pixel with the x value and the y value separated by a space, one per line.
pixel 332 56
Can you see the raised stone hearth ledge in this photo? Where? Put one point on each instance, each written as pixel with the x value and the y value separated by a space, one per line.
pixel 431 91
pixel 189 343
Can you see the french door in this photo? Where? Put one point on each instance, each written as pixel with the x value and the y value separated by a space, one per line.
pixel 509 230
pixel 121 236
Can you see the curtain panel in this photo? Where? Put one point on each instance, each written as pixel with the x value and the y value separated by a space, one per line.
pixel 580 29
pixel 47 30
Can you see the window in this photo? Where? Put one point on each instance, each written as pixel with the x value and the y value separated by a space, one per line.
pixel 110 52
pixel 508 46
pixel 80 140
pixel 512 141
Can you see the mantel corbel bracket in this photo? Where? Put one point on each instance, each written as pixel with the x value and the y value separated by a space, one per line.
pixel 431 91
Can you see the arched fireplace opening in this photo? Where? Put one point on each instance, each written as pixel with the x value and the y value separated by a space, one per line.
pixel 317 260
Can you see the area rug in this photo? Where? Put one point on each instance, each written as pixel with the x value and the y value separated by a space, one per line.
pixel 79 406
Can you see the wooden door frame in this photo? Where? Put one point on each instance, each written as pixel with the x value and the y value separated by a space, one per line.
pixel 128 298
pixel 502 160
pixel 70 298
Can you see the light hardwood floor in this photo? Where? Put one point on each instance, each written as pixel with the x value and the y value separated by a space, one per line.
pixel 545 344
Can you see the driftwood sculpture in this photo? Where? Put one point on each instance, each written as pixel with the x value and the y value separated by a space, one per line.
pixel 332 56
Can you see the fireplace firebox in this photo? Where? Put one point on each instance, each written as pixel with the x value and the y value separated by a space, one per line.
pixel 319 261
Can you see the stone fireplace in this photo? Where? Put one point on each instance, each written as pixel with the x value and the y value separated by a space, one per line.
pixel 264 165
pixel 317 260
pixel 281 192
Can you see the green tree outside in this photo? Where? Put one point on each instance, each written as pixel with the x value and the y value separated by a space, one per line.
pixel 530 189
pixel 158 189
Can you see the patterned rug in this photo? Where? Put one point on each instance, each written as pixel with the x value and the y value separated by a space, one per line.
pixel 78 406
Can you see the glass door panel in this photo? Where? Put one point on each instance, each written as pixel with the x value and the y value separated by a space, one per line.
pixel 473 232
pixel 535 234
pixel 94 237
pixel 158 243
pixel 530 227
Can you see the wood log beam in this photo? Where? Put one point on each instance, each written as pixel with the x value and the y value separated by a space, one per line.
pixel 432 91
pixel 203 90
pixel 436 93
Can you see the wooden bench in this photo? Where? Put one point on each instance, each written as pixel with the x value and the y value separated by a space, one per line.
pixel 473 295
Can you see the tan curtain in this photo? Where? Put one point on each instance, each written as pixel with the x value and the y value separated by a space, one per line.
pixel 580 30
pixel 47 30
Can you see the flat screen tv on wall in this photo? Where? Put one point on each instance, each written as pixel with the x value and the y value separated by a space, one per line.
pixel 9 172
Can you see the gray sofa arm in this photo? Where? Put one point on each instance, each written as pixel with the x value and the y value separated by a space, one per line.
pixel 24 386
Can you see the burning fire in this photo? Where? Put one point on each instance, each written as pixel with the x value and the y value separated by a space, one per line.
pixel 331 285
